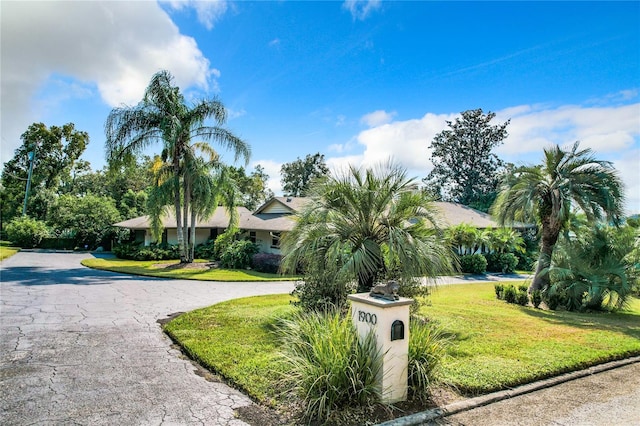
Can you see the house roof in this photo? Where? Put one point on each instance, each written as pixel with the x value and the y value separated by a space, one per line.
pixel 276 216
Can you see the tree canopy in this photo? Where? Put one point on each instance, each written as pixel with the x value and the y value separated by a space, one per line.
pixel 298 175
pixel 57 150
pixel 165 116
pixel 465 170
pixel 547 194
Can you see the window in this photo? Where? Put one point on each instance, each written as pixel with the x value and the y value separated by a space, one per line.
pixel 252 236
pixel 275 239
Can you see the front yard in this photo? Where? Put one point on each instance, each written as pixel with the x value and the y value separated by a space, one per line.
pixel 494 345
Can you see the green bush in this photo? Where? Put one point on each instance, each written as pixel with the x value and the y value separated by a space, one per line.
pixel 238 254
pixel 473 263
pixel 326 365
pixel 266 262
pixel 323 291
pixel 536 298
pixel 427 347
pixel 136 251
pixel 510 294
pixel 26 232
pixel 501 262
pixel 523 287
pixel 522 298
pixel 223 241
pixel 499 289
pixel 205 250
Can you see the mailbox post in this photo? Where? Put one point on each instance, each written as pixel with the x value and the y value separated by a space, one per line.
pixel 389 320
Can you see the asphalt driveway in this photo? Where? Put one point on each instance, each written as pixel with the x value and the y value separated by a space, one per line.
pixel 80 346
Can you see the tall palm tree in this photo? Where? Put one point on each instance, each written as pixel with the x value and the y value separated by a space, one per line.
pixel 546 193
pixel 164 116
pixel 369 223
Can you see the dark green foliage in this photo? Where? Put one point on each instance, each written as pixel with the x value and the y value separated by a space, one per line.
pixel 238 254
pixel 298 175
pixel 413 288
pixel 591 268
pixel 466 171
pixel 205 250
pixel 323 291
pixel 523 287
pixel 58 243
pixel 252 189
pixel 499 289
pixel 510 294
pixel 473 263
pixel 554 299
pixel 522 297
pixel 26 232
pixel 223 241
pixel 427 347
pixel 266 262
pixel 326 365
pixel 501 262
pixel 136 251
pixel 536 298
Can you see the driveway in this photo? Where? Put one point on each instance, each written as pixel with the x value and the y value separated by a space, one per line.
pixel 80 346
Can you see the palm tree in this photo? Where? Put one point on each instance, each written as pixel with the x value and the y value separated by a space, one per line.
pixel 370 224
pixel 164 116
pixel 546 193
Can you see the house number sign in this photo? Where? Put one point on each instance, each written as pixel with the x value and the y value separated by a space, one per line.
pixel 367 317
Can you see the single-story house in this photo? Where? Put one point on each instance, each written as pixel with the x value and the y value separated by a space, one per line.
pixel 265 226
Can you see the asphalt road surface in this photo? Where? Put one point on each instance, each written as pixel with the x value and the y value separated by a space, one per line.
pixel 80 346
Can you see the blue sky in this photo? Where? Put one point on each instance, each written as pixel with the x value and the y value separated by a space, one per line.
pixel 356 81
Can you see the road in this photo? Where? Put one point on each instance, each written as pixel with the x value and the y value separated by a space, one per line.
pixel 80 346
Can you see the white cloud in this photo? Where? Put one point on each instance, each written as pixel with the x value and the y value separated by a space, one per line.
pixel 377 118
pixel 612 132
pixel 361 9
pixel 208 11
pixel 604 129
pixel 111 47
pixel 274 43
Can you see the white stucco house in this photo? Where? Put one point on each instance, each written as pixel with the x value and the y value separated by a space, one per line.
pixel 266 225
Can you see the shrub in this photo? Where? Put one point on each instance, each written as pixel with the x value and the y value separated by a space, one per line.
pixel 223 241
pixel 326 365
pixel 501 262
pixel 136 251
pixel 26 232
pixel 522 298
pixel 205 250
pixel 499 289
pixel 427 347
pixel 510 294
pixel 523 287
pixel 473 263
pixel 536 298
pixel 266 262
pixel 416 290
pixel 322 292
pixel 238 254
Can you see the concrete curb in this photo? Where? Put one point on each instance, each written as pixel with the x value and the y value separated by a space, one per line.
pixel 469 404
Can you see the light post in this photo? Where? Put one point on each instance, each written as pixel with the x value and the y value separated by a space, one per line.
pixel 32 157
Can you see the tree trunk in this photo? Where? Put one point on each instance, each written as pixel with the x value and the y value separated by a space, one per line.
pixel 176 189
pixel 192 245
pixel 550 234
pixel 185 208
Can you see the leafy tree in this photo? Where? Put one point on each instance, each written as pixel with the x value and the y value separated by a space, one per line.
pixel 545 194
pixel 369 224
pixel 298 175
pixel 87 218
pixel 465 170
pixel 26 232
pixel 164 116
pixel 57 150
pixel 252 188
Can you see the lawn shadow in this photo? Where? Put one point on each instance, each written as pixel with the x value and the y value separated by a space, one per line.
pixel 620 322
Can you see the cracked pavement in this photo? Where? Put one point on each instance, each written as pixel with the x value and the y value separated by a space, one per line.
pixel 80 346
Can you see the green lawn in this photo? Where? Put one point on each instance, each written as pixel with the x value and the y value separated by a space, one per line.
pixel 147 268
pixel 495 345
pixel 6 250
